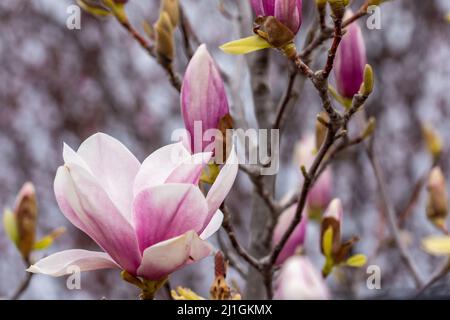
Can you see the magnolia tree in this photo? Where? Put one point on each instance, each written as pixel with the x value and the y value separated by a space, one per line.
pixel 153 218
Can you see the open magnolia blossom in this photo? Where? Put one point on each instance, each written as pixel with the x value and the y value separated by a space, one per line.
pixel 150 219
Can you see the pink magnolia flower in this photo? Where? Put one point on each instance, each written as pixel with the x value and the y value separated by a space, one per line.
pixel 203 99
pixel 150 219
pixel 288 12
pixel 320 194
pixel 297 237
pixel 350 60
pixel 300 280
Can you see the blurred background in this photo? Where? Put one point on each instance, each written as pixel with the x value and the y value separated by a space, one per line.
pixel 61 85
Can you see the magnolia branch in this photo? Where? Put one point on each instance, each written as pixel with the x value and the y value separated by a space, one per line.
pixel 174 78
pixel 392 218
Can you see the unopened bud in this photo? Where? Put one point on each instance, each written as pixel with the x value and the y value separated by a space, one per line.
pixel 338 7
pixel 164 39
pixel 173 10
pixel 94 8
pixel 432 140
pixel 321 3
pixel 26 218
pixel 321 129
pixel 368 82
pixel 332 219
pixel 437 205
pixel 273 31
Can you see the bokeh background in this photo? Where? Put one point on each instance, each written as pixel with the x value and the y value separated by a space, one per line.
pixel 64 85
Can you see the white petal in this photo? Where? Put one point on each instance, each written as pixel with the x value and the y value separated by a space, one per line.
pixel 213 226
pixel 69 261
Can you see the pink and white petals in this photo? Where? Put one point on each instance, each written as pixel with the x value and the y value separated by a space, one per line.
pixel 203 97
pixel 289 12
pixel 114 167
pixel 166 211
pixel 145 217
pixel 62 263
pixel 86 204
pixel 223 183
pixel 166 257
pixel 300 280
pixel 350 60
pixel 213 225
pixel 158 166
pixel 297 237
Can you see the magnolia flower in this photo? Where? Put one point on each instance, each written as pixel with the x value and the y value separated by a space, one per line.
pixel 288 12
pixel 320 194
pixel 203 99
pixel 297 237
pixel 350 60
pixel 150 219
pixel 299 280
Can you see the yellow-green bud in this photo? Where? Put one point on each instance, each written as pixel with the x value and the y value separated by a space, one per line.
pixel 437 205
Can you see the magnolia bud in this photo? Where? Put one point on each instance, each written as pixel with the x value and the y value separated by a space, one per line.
pixel 288 12
pixel 321 129
pixel 296 239
pixel 368 81
pixel 173 10
pixel 273 31
pixel 432 140
pixel 350 62
pixel 321 3
pixel 437 206
pixel 26 218
pixel 300 280
pixel 164 39
pixel 333 219
pixel 338 7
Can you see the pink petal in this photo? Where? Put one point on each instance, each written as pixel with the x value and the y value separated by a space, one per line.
pixel 166 211
pixel 264 7
pixel 300 280
pixel 112 164
pixel 60 263
pixel 297 237
pixel 213 225
pixel 159 166
pixel 84 202
pixel 289 12
pixel 222 186
pixel 168 256
pixel 203 97
pixel 350 60
pixel 190 170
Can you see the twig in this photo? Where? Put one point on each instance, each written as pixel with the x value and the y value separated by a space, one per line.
pixel 440 273
pixel 392 219
pixel 336 41
pixel 227 226
pixel 186 31
pixel 234 263
pixel 174 78
pixel 23 286
pixel 307 184
pixel 288 94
